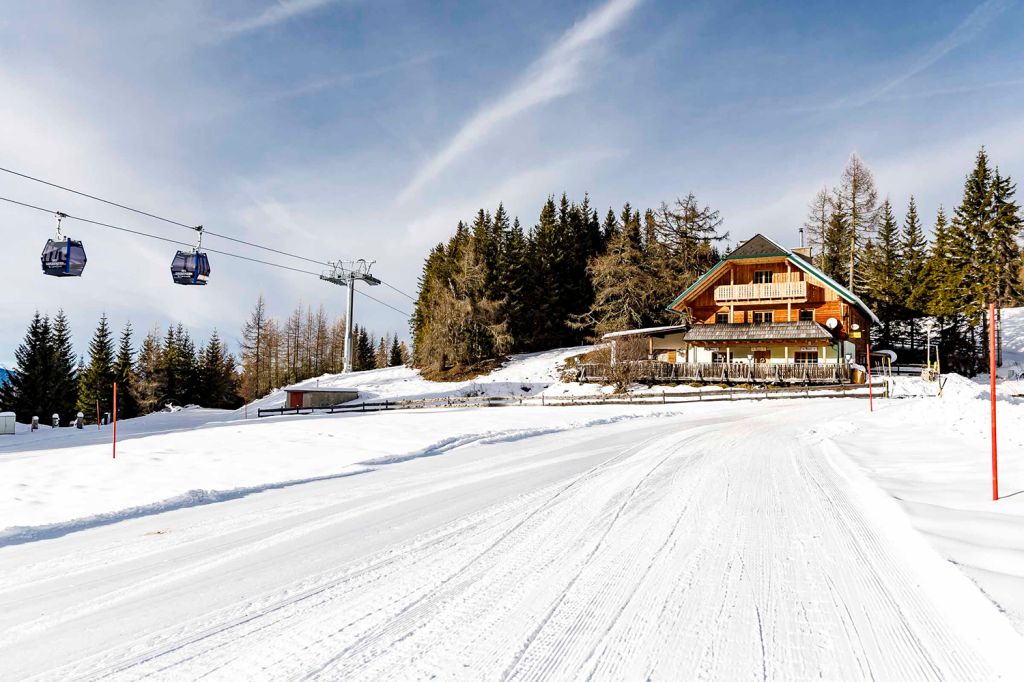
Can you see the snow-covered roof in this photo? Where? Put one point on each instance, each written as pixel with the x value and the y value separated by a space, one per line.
pixel 299 388
pixel 6 414
pixel 648 331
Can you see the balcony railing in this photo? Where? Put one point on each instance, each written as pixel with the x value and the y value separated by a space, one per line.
pixel 772 291
pixel 655 371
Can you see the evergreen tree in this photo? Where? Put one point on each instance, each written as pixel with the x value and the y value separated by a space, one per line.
pixel 216 371
pixel 124 375
pixel 625 281
pixel 883 266
pixel 835 246
pixel 64 375
pixel 97 383
pixel 914 247
pixel 395 358
pixel 28 391
pixel 147 373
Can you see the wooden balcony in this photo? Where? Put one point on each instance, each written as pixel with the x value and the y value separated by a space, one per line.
pixel 773 291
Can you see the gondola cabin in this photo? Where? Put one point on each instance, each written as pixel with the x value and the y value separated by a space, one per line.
pixel 63 258
pixel 190 267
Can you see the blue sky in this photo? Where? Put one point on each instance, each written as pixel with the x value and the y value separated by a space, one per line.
pixel 353 129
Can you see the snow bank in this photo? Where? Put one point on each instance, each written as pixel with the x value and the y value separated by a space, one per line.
pixel 50 492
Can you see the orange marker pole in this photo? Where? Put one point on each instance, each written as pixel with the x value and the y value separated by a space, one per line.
pixel 992 393
pixel 871 394
pixel 115 422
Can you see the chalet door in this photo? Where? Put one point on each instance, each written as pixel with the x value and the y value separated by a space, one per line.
pixel 670 357
pixel 762 355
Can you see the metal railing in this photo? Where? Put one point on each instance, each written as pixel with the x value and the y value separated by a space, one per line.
pixel 761 292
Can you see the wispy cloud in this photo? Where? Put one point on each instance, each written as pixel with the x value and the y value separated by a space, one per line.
pixel 966 31
pixel 280 11
pixel 556 73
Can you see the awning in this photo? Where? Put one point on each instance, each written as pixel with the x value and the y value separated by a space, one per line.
pixel 772 331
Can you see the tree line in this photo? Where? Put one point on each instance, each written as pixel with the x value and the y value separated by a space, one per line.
pixel 307 344
pixel 973 259
pixel 496 288
pixel 50 379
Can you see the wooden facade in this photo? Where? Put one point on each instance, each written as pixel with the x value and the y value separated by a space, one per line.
pixel 765 303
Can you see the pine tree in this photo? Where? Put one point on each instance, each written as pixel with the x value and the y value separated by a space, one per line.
pixel 97 383
pixel 217 376
pixel 147 373
pixel 64 375
pixel 625 281
pixel 883 266
pixel 124 375
pixel 914 246
pixel 395 356
pixel 27 392
pixel 835 245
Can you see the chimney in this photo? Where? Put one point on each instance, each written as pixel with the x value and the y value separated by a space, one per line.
pixel 803 251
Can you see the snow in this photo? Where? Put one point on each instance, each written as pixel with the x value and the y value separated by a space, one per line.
pixel 786 539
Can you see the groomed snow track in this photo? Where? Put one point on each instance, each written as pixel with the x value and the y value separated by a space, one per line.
pixel 664 551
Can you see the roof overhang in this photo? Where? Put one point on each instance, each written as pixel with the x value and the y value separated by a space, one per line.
pixel 648 331
pixel 768 332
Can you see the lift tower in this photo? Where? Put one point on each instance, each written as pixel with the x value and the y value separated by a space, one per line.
pixel 346 274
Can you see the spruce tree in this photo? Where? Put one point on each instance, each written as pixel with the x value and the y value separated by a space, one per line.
pixel 914 247
pixel 883 267
pixel 64 377
pixel 835 245
pixel 395 358
pixel 147 373
pixel 97 384
pixel 28 392
pixel 124 375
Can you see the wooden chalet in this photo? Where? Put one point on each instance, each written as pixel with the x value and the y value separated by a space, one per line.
pixel 764 313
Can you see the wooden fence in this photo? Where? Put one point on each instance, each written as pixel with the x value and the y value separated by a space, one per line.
pixel 655 371
pixel 764 392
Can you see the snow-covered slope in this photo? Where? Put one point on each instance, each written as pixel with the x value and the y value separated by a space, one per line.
pixel 528 374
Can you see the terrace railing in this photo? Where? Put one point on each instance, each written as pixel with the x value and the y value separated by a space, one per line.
pixel 772 291
pixel 655 371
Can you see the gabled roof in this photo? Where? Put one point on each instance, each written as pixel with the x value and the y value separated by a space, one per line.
pixel 770 331
pixel 760 246
pixel 757 246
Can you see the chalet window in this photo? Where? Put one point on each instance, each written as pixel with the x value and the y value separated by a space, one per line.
pixel 763 277
pixel 762 317
pixel 807 316
pixel 721 318
pixel 806 357
pixel 718 356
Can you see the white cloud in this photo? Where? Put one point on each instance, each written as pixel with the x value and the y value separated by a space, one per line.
pixel 280 11
pixel 967 30
pixel 557 73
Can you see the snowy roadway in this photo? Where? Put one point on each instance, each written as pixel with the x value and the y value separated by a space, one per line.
pixel 731 546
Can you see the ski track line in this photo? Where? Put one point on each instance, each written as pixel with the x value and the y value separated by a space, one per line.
pixel 247 618
pixel 411 609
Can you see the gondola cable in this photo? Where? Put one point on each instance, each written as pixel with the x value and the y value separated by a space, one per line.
pixel 140 233
pixel 195 228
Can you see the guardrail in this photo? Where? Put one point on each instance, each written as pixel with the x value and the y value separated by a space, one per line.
pixel 662 398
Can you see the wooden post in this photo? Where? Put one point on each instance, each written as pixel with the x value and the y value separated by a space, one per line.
pixel 114 451
pixel 992 392
pixel 97 414
pixel 871 397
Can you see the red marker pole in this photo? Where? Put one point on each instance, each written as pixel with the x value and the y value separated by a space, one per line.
pixel 871 394
pixel 115 422
pixel 992 393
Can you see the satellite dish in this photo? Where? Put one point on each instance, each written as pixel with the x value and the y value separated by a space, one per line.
pixel 831 323
pixel 855 327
